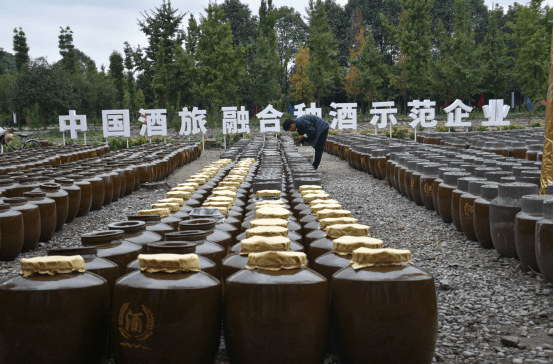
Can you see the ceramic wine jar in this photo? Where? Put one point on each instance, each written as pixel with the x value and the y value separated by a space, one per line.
pixel 387 312
pixel 93 264
pixel 208 249
pixel 135 232
pixel 97 187
pixel 85 203
pixel 462 186
pixel 11 233
pixel 67 314
pixel 111 246
pixel 543 241
pixel 74 194
pixel 467 201
pixel 153 223
pixel 147 324
pixel 502 213
pixel 175 247
pixel 61 197
pixel 280 315
pixel 31 220
pixel 428 176
pixel 525 223
pixel 214 235
pixel 481 214
pixel 47 210
pixel 444 193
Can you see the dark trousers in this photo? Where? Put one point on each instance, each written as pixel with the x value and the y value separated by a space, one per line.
pixel 319 147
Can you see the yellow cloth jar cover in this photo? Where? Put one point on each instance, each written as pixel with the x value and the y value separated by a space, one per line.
pixel 268 193
pixel 160 212
pixel 230 194
pixel 52 265
pixel 226 188
pixel 270 239
pixel 314 196
pixel 228 200
pixel 269 202
pixel 319 202
pixel 189 184
pixel 277 260
pixel 172 207
pixel 272 213
pixel 365 257
pixel 324 206
pixel 247 247
pixel 190 189
pixel 269 206
pixel 198 180
pixel 336 220
pixel 229 183
pixel 309 187
pixel 267 231
pixel 269 222
pixel 179 194
pixel 345 245
pixel 179 201
pixel 325 214
pixel 338 230
pixel 217 204
pixel 169 263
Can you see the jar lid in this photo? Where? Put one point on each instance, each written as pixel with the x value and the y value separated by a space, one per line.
pixel 229 200
pixel 533 204
pixel 185 195
pixel 271 260
pixel 193 185
pixel 267 231
pixel 365 257
pixel 225 193
pixel 270 202
pixel 463 183
pixel 269 205
pixel 324 214
pixel 52 265
pixel 263 244
pixel 268 193
pixel 15 201
pixel 516 190
pixel 489 190
pixel 547 206
pixel 161 212
pixel 179 201
pixel 309 187
pixel 81 250
pixel 315 196
pixel 323 206
pixel 169 263
pixel 313 192
pixel 226 188
pixel 451 178
pixel 347 244
pixel 172 207
pixel 319 201
pixel 237 184
pixel 269 222
pixel 272 213
pixel 323 223
pixel 338 230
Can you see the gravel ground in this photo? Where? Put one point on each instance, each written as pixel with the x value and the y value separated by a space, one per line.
pixel 482 298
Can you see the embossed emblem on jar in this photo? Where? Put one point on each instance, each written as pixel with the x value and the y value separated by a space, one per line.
pixel 136 325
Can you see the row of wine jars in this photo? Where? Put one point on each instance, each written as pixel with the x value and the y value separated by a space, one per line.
pixel 489 195
pixel 38 197
pixel 275 307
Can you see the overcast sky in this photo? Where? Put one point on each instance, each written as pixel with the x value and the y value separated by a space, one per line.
pixel 100 26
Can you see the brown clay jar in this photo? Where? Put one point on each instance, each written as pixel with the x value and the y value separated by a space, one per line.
pixel 153 223
pixel 481 219
pixel 543 241
pixel 292 302
pixel 208 249
pixel 503 211
pixel 94 264
pixel 411 167
pixel 31 220
pixel 74 194
pixel 24 184
pixel 86 193
pixel 61 197
pixel 11 233
pixel 415 190
pixel 175 247
pixel 147 323
pixel 107 177
pixel 135 232
pixel 467 201
pixel 214 235
pixel 74 306
pixel 462 187
pixel 438 181
pixel 526 219
pixel 111 246
pixel 388 312
pixel 426 181
pixel 97 190
pixel 122 179
pixel 47 210
pixel 444 193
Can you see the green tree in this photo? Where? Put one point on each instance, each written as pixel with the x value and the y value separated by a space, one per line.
pixel 192 35
pixel 243 23
pixel 533 38
pixel 67 50
pixel 265 69
pixel 494 60
pixel 322 67
pixel 131 85
pixel 415 42
pixel 7 62
pixel 20 48
pixel 372 69
pixel 219 66
pixel 116 73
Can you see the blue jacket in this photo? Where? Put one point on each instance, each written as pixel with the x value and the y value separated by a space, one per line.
pixel 311 126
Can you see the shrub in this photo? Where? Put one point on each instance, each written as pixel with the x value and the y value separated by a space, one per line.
pixel 482 128
pixel 537 124
pixel 334 132
pixel 398 132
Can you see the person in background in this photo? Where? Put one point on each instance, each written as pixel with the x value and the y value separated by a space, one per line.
pixel 312 130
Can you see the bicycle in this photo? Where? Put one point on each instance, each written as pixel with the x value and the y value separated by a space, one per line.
pixel 6 139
